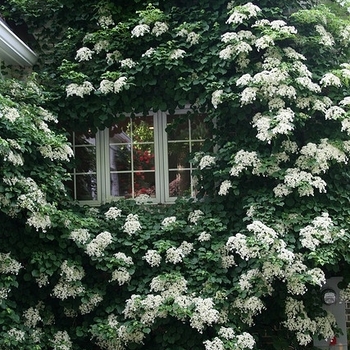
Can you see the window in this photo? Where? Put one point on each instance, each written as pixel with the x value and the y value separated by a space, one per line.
pixel 139 155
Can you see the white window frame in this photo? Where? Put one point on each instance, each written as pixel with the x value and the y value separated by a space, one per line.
pixel 161 143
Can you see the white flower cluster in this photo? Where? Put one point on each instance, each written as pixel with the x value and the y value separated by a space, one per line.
pixel 317 276
pixel 306 82
pixel 263 234
pixel 149 52
pixel 245 341
pixel 242 160
pixel 32 317
pixel 16 334
pixel 326 38
pixel 106 21
pixel 64 290
pixel 147 309
pixel 248 95
pixel 124 258
pixel 80 235
pixel 61 341
pixel 4 292
pixel 127 63
pixel 152 257
pixel 175 255
pixel 69 284
pixel 329 79
pixel 194 216
pixel 42 280
pixel 278 26
pixel 246 279
pixel 320 231
pixel 294 276
pixel 204 313
pixel 206 161
pixel 249 308
pixel 217 97
pixel 168 221
pixel 107 86
pixel 231 51
pixel 345 294
pixel 132 306
pixel 152 305
pixel 232 37
pixel 159 28
pixel 176 54
pixel 140 30
pixel 170 285
pixel 121 275
pixel 9 265
pixel 299 322
pixel 79 90
pixel 113 213
pixel 280 123
pixel 143 198
pixel 84 54
pixel 335 113
pixel 63 152
pixel 13 158
pixel 101 45
pixel 97 245
pixel 226 333
pixel 132 224
pixel 305 183
pixel 113 57
pixel 227 260
pixel 204 237
pixel 31 200
pixel 71 272
pixel 129 335
pixel 269 271
pixel 215 344
pixel 10 113
pixel 193 38
pixel 88 306
pixel 242 13
pixel 239 245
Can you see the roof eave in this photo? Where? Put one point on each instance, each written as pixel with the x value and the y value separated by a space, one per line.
pixel 13 50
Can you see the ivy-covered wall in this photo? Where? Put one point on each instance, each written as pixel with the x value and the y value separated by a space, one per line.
pixel 244 260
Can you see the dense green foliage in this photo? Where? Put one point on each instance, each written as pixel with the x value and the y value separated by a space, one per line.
pixel 241 267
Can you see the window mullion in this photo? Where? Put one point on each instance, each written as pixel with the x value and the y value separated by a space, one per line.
pixel 158 152
pixel 102 163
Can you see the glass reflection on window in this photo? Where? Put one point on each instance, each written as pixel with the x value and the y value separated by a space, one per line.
pixel 131 157
pixel 84 178
pixel 185 136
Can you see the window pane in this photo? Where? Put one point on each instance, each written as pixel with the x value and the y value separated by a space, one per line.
pixel 83 184
pixel 178 154
pixel 143 129
pixel 199 130
pixel 196 147
pixel 121 185
pixel 179 183
pixel 132 163
pixel 86 188
pixel 85 159
pixel 119 157
pixel 144 157
pixel 120 132
pixel 177 129
pixel 84 139
pixel 145 184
